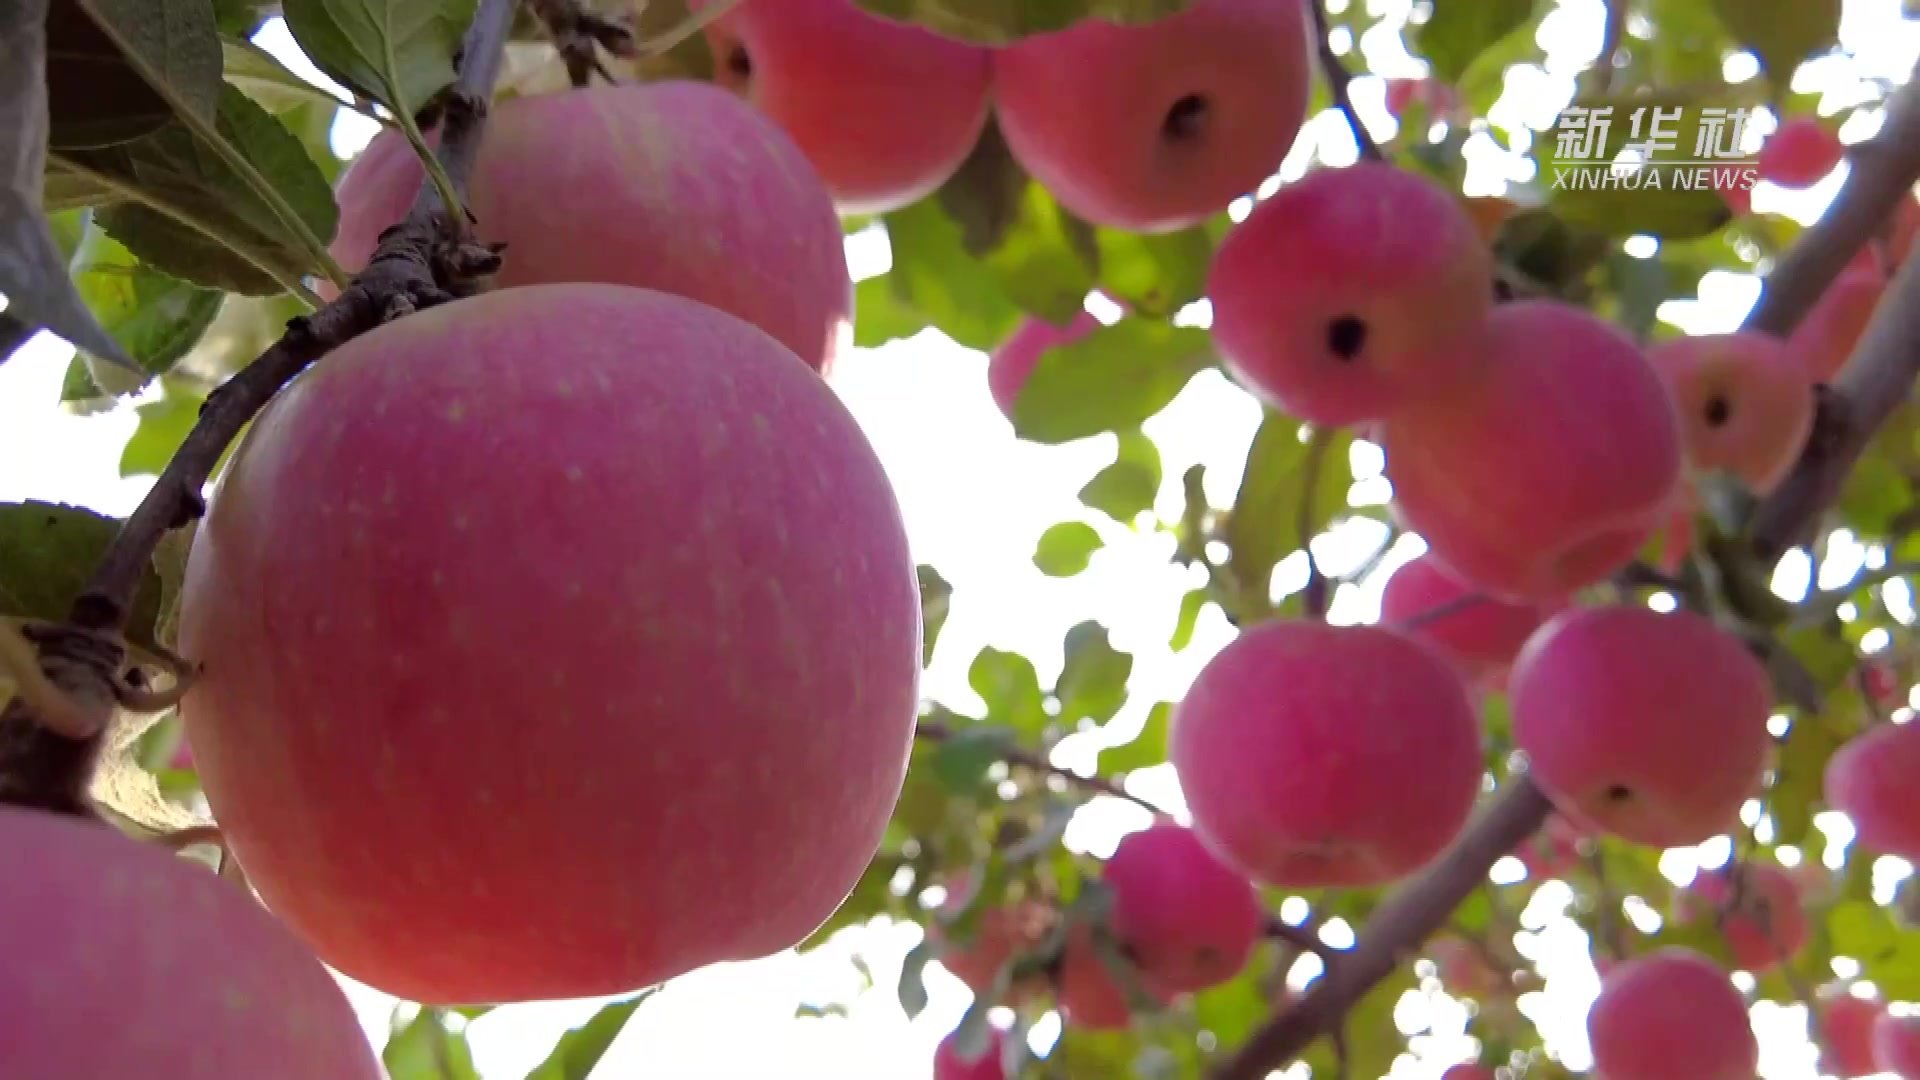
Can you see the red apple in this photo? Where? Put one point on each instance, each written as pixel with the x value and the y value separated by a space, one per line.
pixel 1187 919
pixel 1824 341
pixel 1011 365
pixel 557 641
pixel 1651 727
pixel 1352 293
pixel 1896 1045
pixel 124 960
pixel 1372 730
pixel 1157 126
pixel 1871 780
pixel 1800 154
pixel 1480 636
pixel 1671 1015
pixel 1745 401
pixel 674 186
pixel 1758 908
pixel 885 111
pixel 1551 467
pixel 950 1064
pixel 1843 1029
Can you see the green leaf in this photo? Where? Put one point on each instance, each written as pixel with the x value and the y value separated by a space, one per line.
pixel 119 69
pixel 1147 749
pixel 33 271
pixel 1042 256
pixel 880 315
pixel 579 1050
pixel 164 425
pixel 156 318
pixel 397 52
pixel 964 756
pixel 255 73
pixel 242 17
pixel 1460 30
pixel 1008 684
pixel 1154 274
pixel 1781 32
pixel 190 214
pixel 1093 680
pixel 936 597
pixel 1066 549
pixel 934 276
pixel 1268 514
pixel 1112 380
pixel 1190 607
pixel 1127 488
pixel 1799 775
pixel 47 553
pixel 997 22
pixel 426 1050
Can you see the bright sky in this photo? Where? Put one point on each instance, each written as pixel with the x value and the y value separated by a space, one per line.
pixel 976 500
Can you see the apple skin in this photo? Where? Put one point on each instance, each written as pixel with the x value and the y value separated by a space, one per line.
pixel 1483 472
pixel 1351 293
pixel 557 641
pixel 1649 726
pixel 1373 729
pixel 885 111
pixel 1011 365
pixel 676 186
pixel 1758 908
pixel 1000 935
pixel 1098 112
pixel 1824 341
pixel 1896 1045
pixel 1671 1014
pixel 1188 919
pixel 1481 638
pixel 1870 780
pixel 1745 402
pixel 948 1064
pixel 125 960
pixel 1844 1032
pixel 1800 153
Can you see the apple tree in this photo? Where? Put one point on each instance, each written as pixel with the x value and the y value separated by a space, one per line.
pixel 499 475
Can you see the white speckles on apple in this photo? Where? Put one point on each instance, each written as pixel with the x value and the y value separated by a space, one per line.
pixel 575 474
pixel 321 624
pixel 563 388
pixel 438 579
pixel 762 428
pixel 236 1000
pixel 456 410
pixel 575 590
pixel 461 523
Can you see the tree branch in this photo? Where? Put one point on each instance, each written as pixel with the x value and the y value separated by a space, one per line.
pixel 421 261
pixel 1394 934
pixel 1302 938
pixel 1017 755
pixel 1340 82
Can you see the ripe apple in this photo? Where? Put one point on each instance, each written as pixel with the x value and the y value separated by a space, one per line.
pixel 1651 727
pixel 950 1064
pixel 1551 467
pixel 1896 1045
pixel 1481 636
pixel 1090 994
pixel 1351 293
pixel 1552 852
pixel 1187 919
pixel 1800 153
pixel 675 186
pixel 1843 1029
pixel 1158 126
pixel 886 112
pixel 1871 780
pixel 1011 365
pixel 1437 97
pixel 1824 341
pixel 124 960
pixel 556 642
pixel 1001 935
pixel 1372 730
pixel 1745 401
pixel 1758 908
pixel 1671 1015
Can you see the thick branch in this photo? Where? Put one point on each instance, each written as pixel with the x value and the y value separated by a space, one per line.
pixel 1015 755
pixel 1882 173
pixel 421 261
pixel 1393 935
pixel 1340 82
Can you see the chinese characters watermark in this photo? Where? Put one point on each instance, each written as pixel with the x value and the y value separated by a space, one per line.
pixel 1660 150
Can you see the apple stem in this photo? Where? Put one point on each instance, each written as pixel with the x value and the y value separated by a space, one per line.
pixel 1339 82
pixel 934 731
pixel 423 260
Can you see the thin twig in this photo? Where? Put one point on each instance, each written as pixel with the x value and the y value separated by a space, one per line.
pixel 1340 83
pixel 1317 594
pixel 1015 755
pixel 579 34
pixel 1302 938
pixel 1446 609
pixel 1607 907
pixel 421 261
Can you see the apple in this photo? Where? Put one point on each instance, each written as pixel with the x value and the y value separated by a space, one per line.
pixel 885 111
pixel 1011 365
pixel 1157 126
pixel 950 1064
pixel 556 642
pixel 1843 1030
pixel 1481 636
pixel 1758 908
pixel 1745 400
pixel 675 186
pixel 1800 153
pixel 1187 919
pixel 1896 1045
pixel 1671 1015
pixel 124 960
pixel 1870 780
